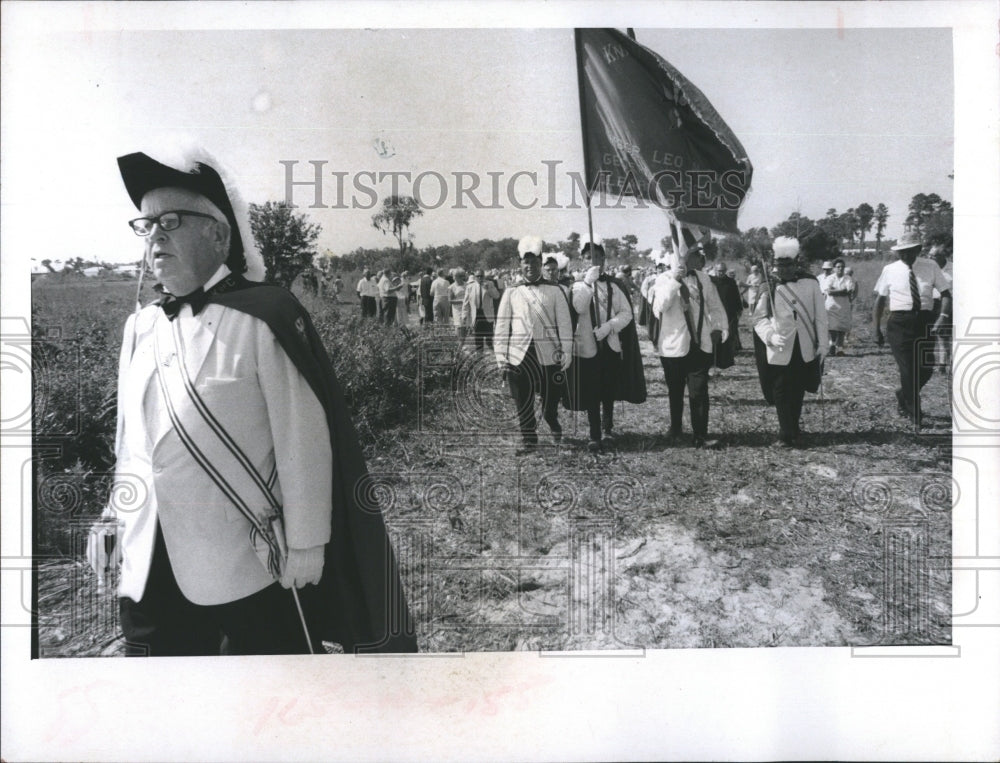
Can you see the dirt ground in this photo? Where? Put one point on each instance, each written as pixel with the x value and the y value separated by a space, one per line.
pixel 845 541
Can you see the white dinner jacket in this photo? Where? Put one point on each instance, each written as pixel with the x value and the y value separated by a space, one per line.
pixel 256 393
pixel 799 309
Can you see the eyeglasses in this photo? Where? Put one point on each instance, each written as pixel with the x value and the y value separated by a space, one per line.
pixel 143 226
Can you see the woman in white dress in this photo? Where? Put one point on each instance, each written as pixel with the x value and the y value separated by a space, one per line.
pixel 456 295
pixel 403 299
pixel 840 289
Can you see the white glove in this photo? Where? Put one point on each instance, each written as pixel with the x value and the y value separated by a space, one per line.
pixel 777 341
pixel 591 276
pixel 602 331
pixel 565 360
pixel 304 566
pixel 103 549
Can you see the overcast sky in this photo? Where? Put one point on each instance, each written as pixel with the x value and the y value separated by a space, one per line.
pixel 829 118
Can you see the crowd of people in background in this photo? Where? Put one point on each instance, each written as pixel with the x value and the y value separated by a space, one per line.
pixel 566 329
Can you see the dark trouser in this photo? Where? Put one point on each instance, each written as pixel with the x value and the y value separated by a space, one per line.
pixel 789 391
pixel 428 304
pixel 482 331
pixel 690 371
pixel 734 334
pixel 912 348
pixel 368 307
pixel 166 624
pixel 525 381
pixel 609 368
pixel 388 310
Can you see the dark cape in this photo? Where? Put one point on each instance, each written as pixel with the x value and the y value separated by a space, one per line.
pixel 631 377
pixel 632 388
pixel 364 608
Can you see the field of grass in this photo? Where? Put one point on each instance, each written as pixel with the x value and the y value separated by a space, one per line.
pixel 651 545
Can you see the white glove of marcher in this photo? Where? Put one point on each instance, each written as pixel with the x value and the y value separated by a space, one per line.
pixel 303 567
pixel 565 360
pixel 602 331
pixel 777 341
pixel 591 276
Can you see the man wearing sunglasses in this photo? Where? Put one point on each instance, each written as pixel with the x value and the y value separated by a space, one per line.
pixel 246 533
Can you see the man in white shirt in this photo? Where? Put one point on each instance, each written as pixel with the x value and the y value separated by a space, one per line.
pixel 387 297
pixel 907 288
pixel 367 292
pixel 533 343
pixel 441 297
pixel 478 309
pixel 689 312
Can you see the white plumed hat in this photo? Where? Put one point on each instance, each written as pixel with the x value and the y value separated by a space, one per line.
pixel 785 248
pixel 530 245
pixel 186 164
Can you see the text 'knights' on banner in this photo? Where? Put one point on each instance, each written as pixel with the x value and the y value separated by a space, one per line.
pixel 650 133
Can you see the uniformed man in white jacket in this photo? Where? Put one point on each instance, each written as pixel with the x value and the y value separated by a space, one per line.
pixel 793 327
pixel 533 343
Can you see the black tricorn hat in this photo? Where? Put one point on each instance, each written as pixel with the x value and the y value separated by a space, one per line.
pixel 142 174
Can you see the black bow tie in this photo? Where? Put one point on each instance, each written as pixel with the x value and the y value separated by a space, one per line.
pixel 172 305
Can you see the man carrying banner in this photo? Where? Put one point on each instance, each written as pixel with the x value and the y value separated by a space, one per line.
pixel 230 415
pixel 691 321
pixel 791 322
pixel 603 310
pixel 533 343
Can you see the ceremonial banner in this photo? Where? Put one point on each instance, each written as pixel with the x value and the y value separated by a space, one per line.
pixel 651 134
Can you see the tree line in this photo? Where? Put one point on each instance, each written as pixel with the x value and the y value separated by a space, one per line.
pixel 287 240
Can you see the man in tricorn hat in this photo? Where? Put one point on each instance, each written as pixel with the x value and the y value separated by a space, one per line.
pixel 248 531
pixel 907 286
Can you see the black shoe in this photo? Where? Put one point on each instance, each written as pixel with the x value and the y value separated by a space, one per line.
pixel 784 442
pixel 901 407
pixel 701 442
pixel 527 449
pixel 557 438
pixel 609 439
pixel 594 446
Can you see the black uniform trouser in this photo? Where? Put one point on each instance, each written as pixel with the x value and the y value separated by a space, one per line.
pixel 526 380
pixel 689 371
pixel 788 383
pixel 482 331
pixel 428 303
pixel 166 624
pixel 609 368
pixel 912 349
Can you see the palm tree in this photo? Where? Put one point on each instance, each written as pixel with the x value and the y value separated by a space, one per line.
pixel 881 216
pixel 864 213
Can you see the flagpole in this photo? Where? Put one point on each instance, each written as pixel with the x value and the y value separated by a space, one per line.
pixel 578 44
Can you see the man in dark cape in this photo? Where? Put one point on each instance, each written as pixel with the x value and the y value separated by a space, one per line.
pixel 362 605
pixel 191 547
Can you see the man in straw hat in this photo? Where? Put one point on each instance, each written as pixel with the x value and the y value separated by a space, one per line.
pixel 533 343
pixel 907 287
pixel 790 322
pixel 249 530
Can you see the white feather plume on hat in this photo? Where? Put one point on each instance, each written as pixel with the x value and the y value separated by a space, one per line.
pixel 785 248
pixel 183 152
pixel 530 245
